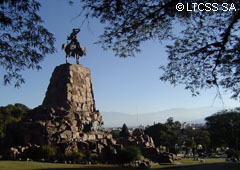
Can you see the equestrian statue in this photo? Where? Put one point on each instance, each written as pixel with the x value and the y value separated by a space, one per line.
pixel 74 49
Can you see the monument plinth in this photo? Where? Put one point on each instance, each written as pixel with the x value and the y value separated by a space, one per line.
pixel 70 88
pixel 68 113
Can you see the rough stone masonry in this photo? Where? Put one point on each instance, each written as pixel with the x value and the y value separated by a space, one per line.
pixel 67 115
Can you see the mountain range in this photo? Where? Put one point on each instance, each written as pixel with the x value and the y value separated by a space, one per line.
pixel 193 115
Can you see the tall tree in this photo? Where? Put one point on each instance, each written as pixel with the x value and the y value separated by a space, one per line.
pixel 165 134
pixel 224 129
pixel 124 132
pixel 24 42
pixel 204 54
pixel 187 139
pixel 11 113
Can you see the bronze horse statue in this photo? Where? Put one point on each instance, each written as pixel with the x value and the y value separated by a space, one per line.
pixel 73 50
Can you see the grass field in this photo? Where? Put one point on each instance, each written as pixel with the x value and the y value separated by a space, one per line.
pixel 184 164
pixel 190 161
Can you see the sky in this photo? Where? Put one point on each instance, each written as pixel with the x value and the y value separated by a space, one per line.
pixel 128 85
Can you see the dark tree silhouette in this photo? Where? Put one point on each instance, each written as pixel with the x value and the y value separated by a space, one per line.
pixel 204 54
pixel 11 113
pixel 224 129
pixel 24 42
pixel 124 132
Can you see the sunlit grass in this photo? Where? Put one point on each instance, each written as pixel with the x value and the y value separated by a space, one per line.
pixel 190 161
pixel 31 165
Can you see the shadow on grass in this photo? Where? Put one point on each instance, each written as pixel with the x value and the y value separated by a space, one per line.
pixel 90 168
pixel 210 166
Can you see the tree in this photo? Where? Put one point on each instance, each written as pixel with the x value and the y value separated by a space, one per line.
pixel 187 139
pixel 201 137
pixel 165 134
pixel 11 113
pixel 224 129
pixel 24 42
pixel 158 134
pixel 115 134
pixel 124 132
pixel 174 133
pixel 204 54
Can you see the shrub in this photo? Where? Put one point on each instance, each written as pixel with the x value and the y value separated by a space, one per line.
pixel 107 156
pixel 87 155
pixel 48 152
pixel 129 154
pixel 233 154
pixel 74 157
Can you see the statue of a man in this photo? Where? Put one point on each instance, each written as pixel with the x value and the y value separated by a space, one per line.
pixel 73 37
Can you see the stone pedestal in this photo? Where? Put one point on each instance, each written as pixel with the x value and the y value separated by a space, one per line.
pixel 68 111
pixel 71 88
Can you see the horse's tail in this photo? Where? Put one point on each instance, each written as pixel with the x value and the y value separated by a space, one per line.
pixel 83 50
pixel 64 46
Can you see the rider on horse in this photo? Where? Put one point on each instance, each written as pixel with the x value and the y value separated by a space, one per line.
pixel 74 48
pixel 73 38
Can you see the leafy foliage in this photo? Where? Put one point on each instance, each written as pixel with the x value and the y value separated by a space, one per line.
pixel 203 55
pixel 11 113
pixel 48 152
pixel 73 156
pixel 224 129
pixel 201 137
pixel 129 154
pixel 165 134
pixel 115 134
pixel 124 132
pixel 171 134
pixel 24 42
pixel 192 138
pixel 233 154
pixel 207 53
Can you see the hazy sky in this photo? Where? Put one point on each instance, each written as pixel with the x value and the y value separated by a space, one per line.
pixel 123 85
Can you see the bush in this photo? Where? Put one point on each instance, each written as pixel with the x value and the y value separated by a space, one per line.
pixel 48 152
pixel 129 154
pixel 73 157
pixel 107 156
pixel 233 154
pixel 87 156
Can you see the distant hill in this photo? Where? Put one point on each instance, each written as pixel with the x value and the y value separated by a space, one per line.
pixel 195 115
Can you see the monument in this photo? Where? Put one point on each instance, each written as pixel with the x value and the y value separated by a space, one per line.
pixel 68 120
pixel 68 113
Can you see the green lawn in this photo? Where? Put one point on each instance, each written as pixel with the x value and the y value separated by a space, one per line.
pixel 182 164
pixel 31 165
pixel 190 161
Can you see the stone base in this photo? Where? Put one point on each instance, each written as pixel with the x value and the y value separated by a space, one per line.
pixel 45 125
